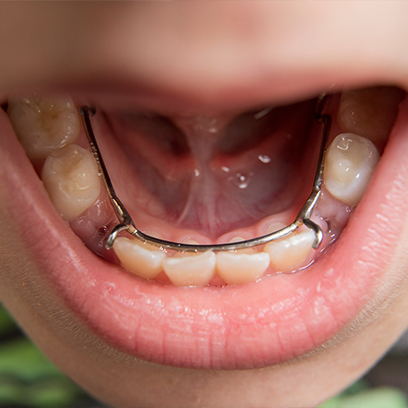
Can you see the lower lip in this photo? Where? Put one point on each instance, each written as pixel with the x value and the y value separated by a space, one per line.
pixel 236 327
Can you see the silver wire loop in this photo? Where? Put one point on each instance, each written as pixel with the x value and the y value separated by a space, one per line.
pixel 126 222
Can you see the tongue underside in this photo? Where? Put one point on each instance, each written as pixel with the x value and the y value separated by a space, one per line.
pixel 209 174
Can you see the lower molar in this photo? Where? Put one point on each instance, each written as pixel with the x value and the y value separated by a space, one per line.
pixel 70 176
pixel 350 162
pixel 43 124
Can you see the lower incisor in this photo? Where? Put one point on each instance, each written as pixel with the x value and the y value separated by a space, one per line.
pixel 237 268
pixel 190 269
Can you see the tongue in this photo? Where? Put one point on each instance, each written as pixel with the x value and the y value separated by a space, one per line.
pixel 213 173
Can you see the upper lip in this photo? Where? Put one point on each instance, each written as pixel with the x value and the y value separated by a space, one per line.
pixel 298 49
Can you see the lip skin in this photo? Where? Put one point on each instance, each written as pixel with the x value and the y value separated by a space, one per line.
pixel 235 327
pixel 72 303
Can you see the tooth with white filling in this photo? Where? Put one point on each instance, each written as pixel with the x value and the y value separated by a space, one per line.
pixel 43 124
pixel 189 269
pixel 288 254
pixel 70 176
pixel 350 162
pixel 141 259
pixel 237 268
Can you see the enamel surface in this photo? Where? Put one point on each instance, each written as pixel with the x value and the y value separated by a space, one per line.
pixel 350 162
pixel 70 176
pixel 288 254
pixel 138 258
pixel 190 270
pixel 237 268
pixel 43 124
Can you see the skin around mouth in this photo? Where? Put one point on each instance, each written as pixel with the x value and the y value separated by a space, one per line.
pixel 230 327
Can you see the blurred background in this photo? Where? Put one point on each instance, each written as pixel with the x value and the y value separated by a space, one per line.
pixel 29 380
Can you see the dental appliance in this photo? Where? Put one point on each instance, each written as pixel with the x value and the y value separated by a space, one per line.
pixel 126 223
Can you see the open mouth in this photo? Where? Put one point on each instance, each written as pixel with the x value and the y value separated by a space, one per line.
pixel 208 179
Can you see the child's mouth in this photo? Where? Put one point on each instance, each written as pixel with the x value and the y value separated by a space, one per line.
pixel 208 179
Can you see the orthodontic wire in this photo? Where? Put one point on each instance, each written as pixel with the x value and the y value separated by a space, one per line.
pixel 126 222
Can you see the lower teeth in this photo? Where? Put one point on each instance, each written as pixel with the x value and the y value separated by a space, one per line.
pixel 71 178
